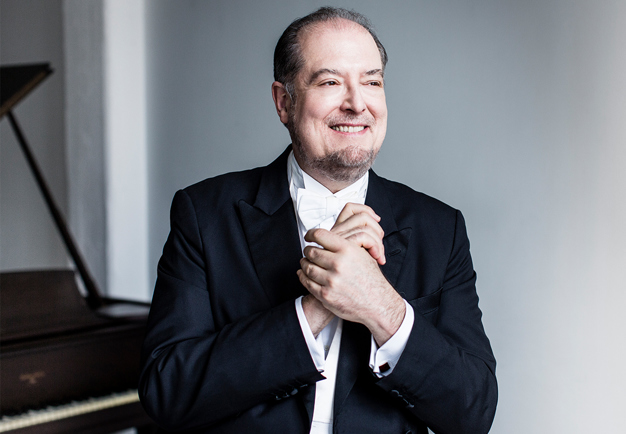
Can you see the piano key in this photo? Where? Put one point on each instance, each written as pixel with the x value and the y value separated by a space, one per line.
pixel 49 414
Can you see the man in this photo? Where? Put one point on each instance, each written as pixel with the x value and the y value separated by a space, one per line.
pixel 312 295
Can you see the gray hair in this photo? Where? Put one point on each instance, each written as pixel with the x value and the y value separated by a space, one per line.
pixel 288 60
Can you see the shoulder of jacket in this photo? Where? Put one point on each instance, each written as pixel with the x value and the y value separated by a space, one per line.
pixel 406 197
pixel 240 184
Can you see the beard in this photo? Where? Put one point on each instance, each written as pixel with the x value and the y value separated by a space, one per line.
pixel 345 165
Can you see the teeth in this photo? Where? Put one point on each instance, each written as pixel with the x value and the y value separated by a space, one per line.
pixel 346 129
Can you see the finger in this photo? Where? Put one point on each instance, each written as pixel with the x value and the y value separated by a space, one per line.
pixel 373 232
pixel 314 272
pixel 326 239
pixel 373 245
pixel 313 287
pixel 356 222
pixel 320 257
pixel 371 238
pixel 355 208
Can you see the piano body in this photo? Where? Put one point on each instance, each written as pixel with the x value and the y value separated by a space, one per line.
pixel 57 356
pixel 68 363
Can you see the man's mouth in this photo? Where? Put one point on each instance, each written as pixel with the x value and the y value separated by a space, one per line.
pixel 348 129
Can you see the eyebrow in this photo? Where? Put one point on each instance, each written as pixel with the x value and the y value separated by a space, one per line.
pixel 375 72
pixel 319 72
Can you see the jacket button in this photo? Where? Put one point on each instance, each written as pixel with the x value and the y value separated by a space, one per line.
pixel 408 404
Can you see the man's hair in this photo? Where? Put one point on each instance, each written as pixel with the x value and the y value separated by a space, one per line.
pixel 288 60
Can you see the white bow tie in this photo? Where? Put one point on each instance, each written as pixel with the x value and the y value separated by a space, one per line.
pixel 313 208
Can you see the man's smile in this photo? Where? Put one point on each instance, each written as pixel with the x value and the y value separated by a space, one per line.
pixel 349 128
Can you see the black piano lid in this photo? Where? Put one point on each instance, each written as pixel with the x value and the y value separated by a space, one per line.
pixel 16 81
pixel 42 304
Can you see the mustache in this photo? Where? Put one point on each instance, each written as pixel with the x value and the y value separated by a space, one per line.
pixel 350 119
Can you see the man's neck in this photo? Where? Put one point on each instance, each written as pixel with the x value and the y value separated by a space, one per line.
pixel 332 185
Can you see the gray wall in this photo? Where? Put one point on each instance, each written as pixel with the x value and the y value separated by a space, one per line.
pixel 511 111
pixel 84 132
pixel 31 31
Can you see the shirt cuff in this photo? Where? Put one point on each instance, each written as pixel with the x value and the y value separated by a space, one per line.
pixel 385 358
pixel 316 349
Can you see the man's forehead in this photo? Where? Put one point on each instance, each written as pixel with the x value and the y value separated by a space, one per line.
pixel 319 41
pixel 335 23
pixel 339 28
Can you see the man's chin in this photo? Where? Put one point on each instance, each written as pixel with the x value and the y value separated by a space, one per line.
pixel 346 165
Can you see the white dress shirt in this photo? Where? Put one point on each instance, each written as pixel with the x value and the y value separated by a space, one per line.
pixel 325 348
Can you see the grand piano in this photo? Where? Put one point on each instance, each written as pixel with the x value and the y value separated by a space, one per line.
pixel 69 357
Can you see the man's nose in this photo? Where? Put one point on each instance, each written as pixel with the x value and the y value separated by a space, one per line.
pixel 353 100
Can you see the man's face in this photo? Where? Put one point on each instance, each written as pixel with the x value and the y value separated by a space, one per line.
pixel 339 120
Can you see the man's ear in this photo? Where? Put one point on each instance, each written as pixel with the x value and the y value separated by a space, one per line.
pixel 282 101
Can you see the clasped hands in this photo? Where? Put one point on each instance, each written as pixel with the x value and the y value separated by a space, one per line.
pixel 343 276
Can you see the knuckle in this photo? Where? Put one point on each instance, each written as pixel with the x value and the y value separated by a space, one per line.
pixel 339 269
pixel 328 295
pixel 330 281
pixel 325 294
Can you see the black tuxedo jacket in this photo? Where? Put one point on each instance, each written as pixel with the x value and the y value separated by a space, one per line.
pixel 224 352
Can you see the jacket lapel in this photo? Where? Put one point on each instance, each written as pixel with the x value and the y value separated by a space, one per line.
pixel 355 339
pixel 272 234
pixel 396 239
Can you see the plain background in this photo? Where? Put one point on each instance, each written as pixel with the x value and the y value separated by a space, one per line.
pixel 512 111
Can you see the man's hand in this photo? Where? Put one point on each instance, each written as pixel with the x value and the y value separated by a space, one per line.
pixel 358 224
pixel 348 282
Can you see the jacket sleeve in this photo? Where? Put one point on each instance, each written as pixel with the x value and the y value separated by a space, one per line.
pixel 196 374
pixel 446 374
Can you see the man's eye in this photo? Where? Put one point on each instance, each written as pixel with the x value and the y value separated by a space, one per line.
pixel 375 83
pixel 329 83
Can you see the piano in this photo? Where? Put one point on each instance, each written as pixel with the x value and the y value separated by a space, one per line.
pixel 69 357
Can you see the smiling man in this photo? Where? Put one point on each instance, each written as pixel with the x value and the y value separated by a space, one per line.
pixel 339 123
pixel 311 295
